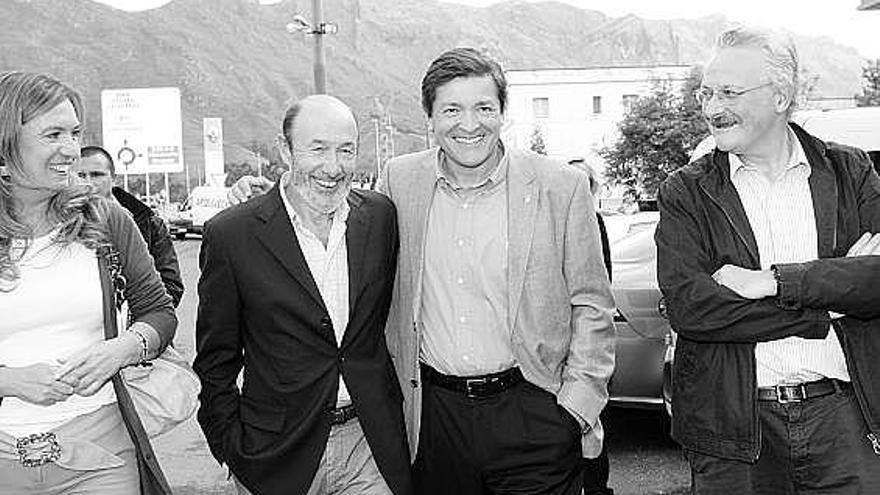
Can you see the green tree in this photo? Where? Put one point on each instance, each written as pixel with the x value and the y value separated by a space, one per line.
pixel 656 136
pixel 870 96
pixel 537 141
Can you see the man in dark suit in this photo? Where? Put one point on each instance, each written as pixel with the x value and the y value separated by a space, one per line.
pixel 295 289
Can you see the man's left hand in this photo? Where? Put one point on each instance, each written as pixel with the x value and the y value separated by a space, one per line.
pixel 750 284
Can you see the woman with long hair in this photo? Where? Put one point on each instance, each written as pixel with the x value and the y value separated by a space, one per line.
pixel 60 428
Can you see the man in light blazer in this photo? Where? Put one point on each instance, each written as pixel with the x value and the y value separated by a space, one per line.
pixel 500 326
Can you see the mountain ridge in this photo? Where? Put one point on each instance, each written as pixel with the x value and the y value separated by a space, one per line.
pixel 234 59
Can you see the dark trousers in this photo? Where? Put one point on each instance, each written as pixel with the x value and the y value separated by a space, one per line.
pixel 596 473
pixel 515 442
pixel 818 446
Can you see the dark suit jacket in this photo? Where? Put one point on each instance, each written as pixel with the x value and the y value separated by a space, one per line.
pixel 154 231
pixel 259 308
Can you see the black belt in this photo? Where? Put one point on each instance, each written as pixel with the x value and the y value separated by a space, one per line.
pixel 785 394
pixel 342 415
pixel 474 386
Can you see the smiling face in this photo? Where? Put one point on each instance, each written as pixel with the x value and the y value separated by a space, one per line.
pixel 743 124
pixel 466 120
pixel 48 146
pixel 324 151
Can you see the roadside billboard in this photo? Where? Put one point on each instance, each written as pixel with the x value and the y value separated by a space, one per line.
pixel 213 144
pixel 142 129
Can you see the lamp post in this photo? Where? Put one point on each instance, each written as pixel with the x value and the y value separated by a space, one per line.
pixel 317 28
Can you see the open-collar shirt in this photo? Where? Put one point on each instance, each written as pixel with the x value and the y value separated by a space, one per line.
pixel 464 286
pixel 782 218
pixel 329 268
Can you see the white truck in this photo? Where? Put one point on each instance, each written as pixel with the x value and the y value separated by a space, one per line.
pixel 203 203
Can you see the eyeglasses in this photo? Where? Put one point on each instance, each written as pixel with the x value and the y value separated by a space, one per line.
pixel 704 94
pixel 345 154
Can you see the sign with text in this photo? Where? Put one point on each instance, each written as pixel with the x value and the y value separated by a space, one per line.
pixel 213 143
pixel 142 129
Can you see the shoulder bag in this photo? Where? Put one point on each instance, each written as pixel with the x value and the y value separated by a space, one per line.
pixel 153 399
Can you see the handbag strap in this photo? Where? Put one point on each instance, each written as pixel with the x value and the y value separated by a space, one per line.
pixel 108 294
pixel 153 481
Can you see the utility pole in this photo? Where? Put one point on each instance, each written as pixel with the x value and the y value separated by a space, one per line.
pixel 317 28
pixel 320 62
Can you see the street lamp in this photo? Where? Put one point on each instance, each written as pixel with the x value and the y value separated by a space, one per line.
pixel 318 28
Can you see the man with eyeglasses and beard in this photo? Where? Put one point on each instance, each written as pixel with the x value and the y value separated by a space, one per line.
pixel 767 258
pixel 295 289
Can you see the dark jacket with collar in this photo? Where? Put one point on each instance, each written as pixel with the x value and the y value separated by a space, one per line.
pixel 260 310
pixel 155 233
pixel 702 227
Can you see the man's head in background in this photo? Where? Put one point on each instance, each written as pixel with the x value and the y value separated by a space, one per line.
pixel 95 167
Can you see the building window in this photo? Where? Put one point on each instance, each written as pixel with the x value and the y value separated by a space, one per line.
pixel 597 105
pixel 628 101
pixel 541 108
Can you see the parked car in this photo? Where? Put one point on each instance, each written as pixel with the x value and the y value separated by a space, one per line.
pixel 859 127
pixel 645 341
pixel 179 222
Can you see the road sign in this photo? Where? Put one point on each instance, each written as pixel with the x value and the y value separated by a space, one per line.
pixel 213 144
pixel 142 129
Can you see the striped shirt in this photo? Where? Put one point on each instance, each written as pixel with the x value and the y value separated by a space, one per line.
pixel 782 218
pixel 329 268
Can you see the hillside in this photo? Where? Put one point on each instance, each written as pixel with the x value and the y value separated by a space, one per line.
pixel 234 59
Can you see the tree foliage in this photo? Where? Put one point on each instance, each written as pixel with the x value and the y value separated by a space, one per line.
pixel 656 136
pixel 870 96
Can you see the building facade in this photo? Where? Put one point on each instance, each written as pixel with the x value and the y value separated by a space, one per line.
pixel 575 112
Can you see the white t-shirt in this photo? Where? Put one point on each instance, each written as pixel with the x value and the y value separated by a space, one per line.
pixel 55 311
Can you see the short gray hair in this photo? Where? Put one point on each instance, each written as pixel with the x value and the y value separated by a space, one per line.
pixel 779 51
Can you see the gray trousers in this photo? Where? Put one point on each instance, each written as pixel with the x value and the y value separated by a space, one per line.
pixel 97 458
pixel 346 468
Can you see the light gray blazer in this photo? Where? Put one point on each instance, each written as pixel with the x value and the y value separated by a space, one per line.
pixel 559 298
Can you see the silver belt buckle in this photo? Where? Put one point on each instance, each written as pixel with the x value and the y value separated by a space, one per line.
pixel 784 398
pixel 37 449
pixel 470 384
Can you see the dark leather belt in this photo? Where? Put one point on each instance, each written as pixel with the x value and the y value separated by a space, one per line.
pixel 786 394
pixel 342 415
pixel 474 386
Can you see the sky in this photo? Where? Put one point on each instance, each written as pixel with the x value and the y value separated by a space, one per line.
pixel 838 19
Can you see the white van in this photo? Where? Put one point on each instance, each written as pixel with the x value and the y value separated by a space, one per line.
pixel 203 203
pixel 859 127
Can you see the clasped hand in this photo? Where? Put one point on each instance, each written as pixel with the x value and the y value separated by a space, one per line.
pixel 89 369
pixel 750 284
pixel 37 384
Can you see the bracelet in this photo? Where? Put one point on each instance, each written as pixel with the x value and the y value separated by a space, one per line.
pixel 143 361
